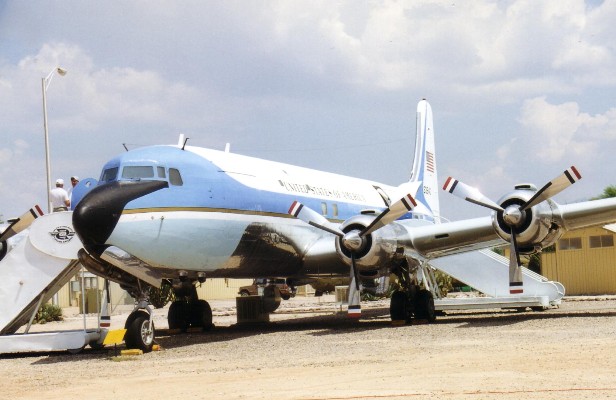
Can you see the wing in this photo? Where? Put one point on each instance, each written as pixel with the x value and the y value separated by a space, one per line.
pixel 448 238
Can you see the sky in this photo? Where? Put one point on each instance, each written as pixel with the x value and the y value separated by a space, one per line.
pixel 520 89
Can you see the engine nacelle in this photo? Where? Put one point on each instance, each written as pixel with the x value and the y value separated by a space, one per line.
pixel 376 250
pixel 540 226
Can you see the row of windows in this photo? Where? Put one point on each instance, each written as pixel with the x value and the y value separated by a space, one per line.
pixel 334 210
pixel 594 242
pixel 143 172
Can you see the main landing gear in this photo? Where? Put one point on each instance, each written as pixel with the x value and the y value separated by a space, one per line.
pixel 411 301
pixel 187 311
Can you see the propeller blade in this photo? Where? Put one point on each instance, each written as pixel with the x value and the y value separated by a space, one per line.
pixel 515 270
pixel 390 214
pixel 469 193
pixel 311 217
pixel 555 186
pixel 21 223
pixel 354 306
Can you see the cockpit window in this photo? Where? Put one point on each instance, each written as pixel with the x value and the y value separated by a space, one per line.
pixel 174 177
pixel 137 172
pixel 109 174
pixel 161 172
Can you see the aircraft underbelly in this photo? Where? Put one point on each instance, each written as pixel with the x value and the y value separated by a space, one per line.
pixel 218 243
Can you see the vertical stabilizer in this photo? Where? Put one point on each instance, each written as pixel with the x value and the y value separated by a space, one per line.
pixel 424 164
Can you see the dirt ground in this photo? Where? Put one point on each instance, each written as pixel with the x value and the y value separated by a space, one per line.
pixel 309 351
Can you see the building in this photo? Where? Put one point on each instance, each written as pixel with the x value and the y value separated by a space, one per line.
pixel 584 261
pixel 70 295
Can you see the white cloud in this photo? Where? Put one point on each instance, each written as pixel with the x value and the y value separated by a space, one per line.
pixel 320 72
pixel 559 130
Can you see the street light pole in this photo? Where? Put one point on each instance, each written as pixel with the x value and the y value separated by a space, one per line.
pixel 45 84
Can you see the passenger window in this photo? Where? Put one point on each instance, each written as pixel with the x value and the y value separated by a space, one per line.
pixel 161 172
pixel 109 174
pixel 324 208
pixel 174 177
pixel 335 210
pixel 137 172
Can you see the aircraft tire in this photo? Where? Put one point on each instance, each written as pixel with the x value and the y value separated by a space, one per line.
pixel 178 316
pixel 138 335
pixel 399 307
pixel 201 315
pixel 271 298
pixel 425 306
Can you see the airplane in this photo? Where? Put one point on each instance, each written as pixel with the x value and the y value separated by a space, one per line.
pixel 181 214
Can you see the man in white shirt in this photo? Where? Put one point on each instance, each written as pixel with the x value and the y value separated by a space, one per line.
pixel 59 197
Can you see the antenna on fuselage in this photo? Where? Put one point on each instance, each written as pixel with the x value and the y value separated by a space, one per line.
pixel 182 141
pixel 227 147
pixel 125 148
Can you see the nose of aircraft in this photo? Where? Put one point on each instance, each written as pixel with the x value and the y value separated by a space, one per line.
pixel 97 214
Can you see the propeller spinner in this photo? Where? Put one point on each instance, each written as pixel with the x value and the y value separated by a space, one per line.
pixel 514 215
pixel 354 241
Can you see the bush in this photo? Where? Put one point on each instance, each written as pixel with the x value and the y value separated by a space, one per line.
pixel 444 281
pixel 48 313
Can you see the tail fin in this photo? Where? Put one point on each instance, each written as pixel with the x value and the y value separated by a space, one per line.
pixel 424 164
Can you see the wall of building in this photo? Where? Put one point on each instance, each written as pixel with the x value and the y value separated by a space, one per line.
pixel 582 269
pixel 212 289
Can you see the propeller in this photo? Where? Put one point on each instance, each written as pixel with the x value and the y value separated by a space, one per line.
pixel 21 223
pixel 514 215
pixel 354 241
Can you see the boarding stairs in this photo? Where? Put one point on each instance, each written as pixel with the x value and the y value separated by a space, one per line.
pixel 40 260
pixel 488 273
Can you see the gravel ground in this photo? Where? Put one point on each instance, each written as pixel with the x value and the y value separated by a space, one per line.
pixel 309 351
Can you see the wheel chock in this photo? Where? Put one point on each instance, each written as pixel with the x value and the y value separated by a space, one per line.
pixel 131 352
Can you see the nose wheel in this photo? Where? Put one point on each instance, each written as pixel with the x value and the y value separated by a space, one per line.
pixel 139 331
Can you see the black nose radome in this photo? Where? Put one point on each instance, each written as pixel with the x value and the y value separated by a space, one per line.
pixel 97 214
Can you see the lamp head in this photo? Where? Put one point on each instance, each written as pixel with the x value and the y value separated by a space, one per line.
pixel 61 71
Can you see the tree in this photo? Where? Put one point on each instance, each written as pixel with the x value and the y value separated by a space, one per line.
pixel 608 192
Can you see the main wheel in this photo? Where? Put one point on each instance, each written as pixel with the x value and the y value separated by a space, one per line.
pixel 138 332
pixel 201 315
pixel 178 316
pixel 399 307
pixel 271 299
pixel 425 306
